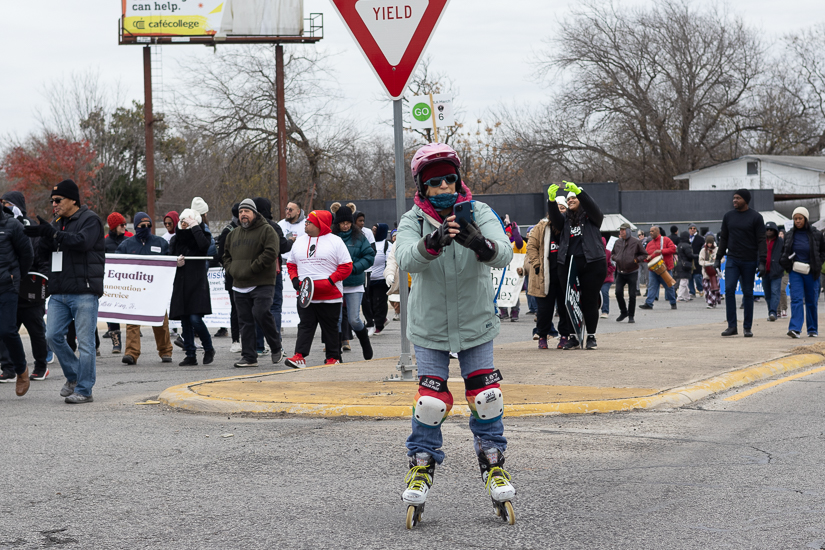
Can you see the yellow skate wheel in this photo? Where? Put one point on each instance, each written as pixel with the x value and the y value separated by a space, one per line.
pixel 511 514
pixel 410 516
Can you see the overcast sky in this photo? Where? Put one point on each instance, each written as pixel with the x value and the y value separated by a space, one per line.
pixel 486 46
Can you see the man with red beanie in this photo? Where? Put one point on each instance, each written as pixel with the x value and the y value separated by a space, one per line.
pixel 324 258
pixel 116 235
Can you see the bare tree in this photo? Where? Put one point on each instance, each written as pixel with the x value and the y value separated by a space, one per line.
pixel 231 97
pixel 649 92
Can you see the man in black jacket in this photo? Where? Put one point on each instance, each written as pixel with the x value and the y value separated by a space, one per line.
pixel 628 255
pixel 74 242
pixel 31 303
pixel 15 260
pixel 742 240
pixel 264 207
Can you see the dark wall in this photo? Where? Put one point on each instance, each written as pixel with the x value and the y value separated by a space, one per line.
pixel 524 209
pixel 664 208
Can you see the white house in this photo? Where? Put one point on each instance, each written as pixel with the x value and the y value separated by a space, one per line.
pixel 796 181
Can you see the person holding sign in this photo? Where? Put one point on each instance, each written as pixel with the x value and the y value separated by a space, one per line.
pixel 450 310
pixel 323 258
pixel 190 294
pixel 146 244
pixel 74 241
pixel 581 242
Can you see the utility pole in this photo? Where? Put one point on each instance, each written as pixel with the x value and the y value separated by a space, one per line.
pixel 148 121
pixel 283 190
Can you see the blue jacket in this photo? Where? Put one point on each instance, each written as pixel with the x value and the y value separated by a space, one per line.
pixel 154 245
pixel 362 254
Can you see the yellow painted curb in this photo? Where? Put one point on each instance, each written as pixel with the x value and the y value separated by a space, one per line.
pixel 183 397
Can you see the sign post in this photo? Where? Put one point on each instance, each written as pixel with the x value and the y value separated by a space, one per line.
pixel 572 300
pixel 392 37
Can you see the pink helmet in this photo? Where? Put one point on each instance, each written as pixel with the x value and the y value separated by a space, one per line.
pixel 428 154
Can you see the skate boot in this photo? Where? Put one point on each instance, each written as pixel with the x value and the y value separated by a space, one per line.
pixel 419 480
pixel 497 481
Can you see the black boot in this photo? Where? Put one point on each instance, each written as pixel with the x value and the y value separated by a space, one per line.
pixel 364 338
pixel 116 343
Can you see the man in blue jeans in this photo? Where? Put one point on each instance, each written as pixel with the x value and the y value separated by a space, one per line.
pixel 74 244
pixel 742 240
pixel 659 247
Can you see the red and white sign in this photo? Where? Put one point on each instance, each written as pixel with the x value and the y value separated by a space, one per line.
pixel 392 34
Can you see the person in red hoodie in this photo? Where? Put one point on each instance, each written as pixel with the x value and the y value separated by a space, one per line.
pixel 659 245
pixel 324 258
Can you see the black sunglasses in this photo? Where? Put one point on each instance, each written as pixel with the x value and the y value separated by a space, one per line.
pixel 436 182
pixel 56 201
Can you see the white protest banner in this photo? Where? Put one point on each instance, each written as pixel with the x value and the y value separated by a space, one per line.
pixel 136 289
pixel 222 307
pixel 511 286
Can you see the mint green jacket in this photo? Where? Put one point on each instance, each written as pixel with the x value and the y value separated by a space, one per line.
pixel 451 299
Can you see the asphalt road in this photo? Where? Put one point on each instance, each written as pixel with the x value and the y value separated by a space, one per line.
pixel 114 474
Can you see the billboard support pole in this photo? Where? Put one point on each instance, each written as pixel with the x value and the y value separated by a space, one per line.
pixel 148 120
pixel 406 365
pixel 283 194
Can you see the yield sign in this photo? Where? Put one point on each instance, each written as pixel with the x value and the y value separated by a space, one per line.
pixel 392 34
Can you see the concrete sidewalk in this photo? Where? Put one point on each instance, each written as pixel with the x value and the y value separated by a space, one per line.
pixel 660 368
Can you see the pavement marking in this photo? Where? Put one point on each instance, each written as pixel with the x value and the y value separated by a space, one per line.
pixel 752 391
pixel 187 396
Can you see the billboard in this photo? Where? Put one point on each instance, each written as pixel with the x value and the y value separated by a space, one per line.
pixel 215 18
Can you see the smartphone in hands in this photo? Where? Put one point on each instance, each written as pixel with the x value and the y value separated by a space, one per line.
pixel 463 213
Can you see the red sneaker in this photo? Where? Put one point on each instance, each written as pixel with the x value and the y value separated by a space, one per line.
pixel 332 361
pixel 297 361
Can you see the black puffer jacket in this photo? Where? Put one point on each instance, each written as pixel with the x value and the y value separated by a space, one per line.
pixel 80 238
pixel 113 240
pixel 685 251
pixel 591 225
pixel 39 264
pixel 190 293
pixel 16 252
pixel 817 246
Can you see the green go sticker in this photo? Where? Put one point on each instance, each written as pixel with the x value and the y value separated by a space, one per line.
pixel 421 112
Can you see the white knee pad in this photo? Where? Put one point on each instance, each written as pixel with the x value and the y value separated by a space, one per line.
pixel 432 403
pixel 484 396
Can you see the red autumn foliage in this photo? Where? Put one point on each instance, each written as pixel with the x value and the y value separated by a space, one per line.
pixel 34 169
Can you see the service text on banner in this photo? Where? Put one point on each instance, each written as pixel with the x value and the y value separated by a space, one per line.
pixel 137 289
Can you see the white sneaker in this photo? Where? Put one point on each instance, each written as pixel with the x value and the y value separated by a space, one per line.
pixel 235 347
pixel 603 316
pixel 371 331
pixel 498 483
pixel 418 480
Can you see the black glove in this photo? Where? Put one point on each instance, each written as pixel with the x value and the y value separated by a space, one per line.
pixel 44 229
pixel 761 270
pixel 537 268
pixel 439 238
pixel 717 264
pixel 296 283
pixel 472 238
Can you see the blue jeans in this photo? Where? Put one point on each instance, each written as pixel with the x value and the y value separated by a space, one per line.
pixel 10 332
pixel 190 324
pixel 83 309
pixel 353 301
pixel 433 362
pixel 653 283
pixel 744 272
pixel 803 287
pixel 606 297
pixel 773 289
pixel 695 283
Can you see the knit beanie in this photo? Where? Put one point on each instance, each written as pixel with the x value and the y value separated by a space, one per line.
pixel 437 169
pixel 745 194
pixel 199 205
pixel 189 213
pixel 140 217
pixel 247 204
pixel 343 215
pixel 115 219
pixel 67 189
pixel 800 210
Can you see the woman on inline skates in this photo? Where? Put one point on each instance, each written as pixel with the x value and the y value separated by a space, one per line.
pixel 451 310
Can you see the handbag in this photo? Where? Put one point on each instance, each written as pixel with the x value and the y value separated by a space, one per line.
pixel 802 267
